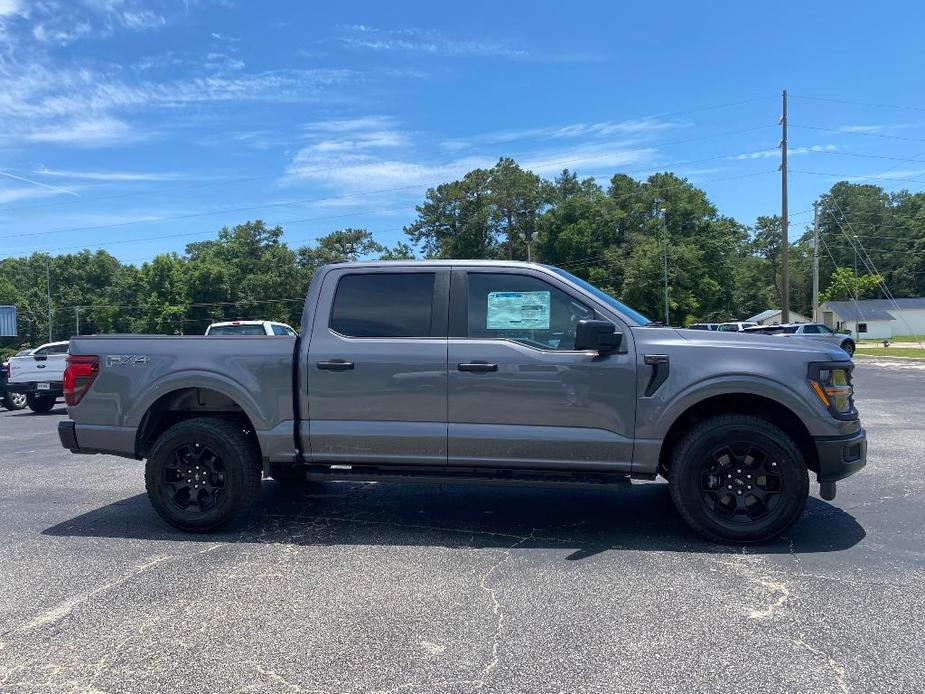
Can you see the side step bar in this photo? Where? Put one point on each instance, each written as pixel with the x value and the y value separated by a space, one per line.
pixel 463 475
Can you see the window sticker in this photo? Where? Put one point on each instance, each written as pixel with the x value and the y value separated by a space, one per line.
pixel 518 310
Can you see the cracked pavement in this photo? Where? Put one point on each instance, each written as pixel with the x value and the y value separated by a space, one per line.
pixel 350 588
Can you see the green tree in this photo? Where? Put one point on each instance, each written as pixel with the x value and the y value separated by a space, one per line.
pixel 844 286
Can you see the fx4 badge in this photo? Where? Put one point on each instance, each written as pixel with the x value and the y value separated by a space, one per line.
pixel 126 360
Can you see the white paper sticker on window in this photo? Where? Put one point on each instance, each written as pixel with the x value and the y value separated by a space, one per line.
pixel 513 310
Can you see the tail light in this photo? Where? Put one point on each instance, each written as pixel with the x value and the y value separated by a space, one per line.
pixel 79 375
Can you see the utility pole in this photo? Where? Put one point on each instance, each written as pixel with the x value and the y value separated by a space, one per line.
pixel 784 221
pixel 48 294
pixel 665 259
pixel 77 320
pixel 816 262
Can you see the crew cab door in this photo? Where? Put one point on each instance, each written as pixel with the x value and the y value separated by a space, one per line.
pixel 375 369
pixel 519 393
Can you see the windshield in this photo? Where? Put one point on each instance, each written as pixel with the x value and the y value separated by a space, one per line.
pixel 630 313
pixel 237 330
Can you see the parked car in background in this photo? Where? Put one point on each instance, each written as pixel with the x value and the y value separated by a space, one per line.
pixel 815 331
pixel 11 401
pixel 735 326
pixel 39 375
pixel 703 326
pixel 250 327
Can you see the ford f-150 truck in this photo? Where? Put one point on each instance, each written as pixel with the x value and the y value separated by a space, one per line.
pixel 472 370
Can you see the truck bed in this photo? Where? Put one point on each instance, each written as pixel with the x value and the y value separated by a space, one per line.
pixel 141 377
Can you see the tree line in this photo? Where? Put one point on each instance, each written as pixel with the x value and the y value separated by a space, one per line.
pixel 615 235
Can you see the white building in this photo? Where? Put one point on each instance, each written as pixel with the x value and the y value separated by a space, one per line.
pixel 876 319
pixel 772 317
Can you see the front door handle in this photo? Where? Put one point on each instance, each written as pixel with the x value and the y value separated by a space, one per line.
pixel 477 366
pixel 335 365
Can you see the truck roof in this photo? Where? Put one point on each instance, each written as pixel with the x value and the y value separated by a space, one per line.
pixel 437 263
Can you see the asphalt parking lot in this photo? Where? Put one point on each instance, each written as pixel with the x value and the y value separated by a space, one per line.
pixel 403 588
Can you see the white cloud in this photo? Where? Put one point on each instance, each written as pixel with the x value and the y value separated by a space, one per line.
pixel 112 175
pixel 414 40
pixel 13 194
pixel 9 8
pixel 862 128
pixel 370 152
pixel 86 132
pixel 791 151
pixel 588 157
pixel 60 35
pixel 639 126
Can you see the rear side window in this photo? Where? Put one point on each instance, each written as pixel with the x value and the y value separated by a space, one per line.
pixel 791 329
pixel 811 330
pixel 386 304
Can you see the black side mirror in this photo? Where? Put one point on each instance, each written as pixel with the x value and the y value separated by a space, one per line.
pixel 599 335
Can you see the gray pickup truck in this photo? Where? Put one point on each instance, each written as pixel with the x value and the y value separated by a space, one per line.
pixel 471 370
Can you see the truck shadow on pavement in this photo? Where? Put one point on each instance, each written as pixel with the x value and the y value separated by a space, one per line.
pixel 59 410
pixel 588 522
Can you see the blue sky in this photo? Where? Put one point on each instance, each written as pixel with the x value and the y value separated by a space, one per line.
pixel 141 126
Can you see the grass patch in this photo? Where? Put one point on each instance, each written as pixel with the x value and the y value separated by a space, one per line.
pixel 891 352
pixel 900 338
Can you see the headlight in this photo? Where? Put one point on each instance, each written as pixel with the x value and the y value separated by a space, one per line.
pixel 831 382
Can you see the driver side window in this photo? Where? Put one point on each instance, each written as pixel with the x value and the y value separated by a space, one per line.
pixel 523 309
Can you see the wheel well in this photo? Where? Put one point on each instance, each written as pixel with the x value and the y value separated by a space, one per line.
pixel 739 403
pixel 188 403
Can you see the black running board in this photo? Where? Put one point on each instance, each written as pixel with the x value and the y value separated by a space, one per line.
pixel 464 475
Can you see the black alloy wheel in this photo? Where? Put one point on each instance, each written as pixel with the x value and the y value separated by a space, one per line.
pixel 202 473
pixel 194 478
pixel 740 482
pixel 738 478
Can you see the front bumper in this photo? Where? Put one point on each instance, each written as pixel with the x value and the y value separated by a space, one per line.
pixel 67 432
pixel 840 456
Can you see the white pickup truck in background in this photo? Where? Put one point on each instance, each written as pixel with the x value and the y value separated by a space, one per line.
pixel 250 327
pixel 39 375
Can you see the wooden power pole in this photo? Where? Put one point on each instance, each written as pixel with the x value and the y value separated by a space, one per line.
pixel 816 262
pixel 784 221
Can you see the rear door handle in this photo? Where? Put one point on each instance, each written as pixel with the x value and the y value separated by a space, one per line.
pixel 477 366
pixel 335 365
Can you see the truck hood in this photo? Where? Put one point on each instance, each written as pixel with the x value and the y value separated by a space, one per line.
pixel 801 348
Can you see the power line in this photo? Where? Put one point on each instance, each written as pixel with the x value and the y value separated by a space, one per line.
pixel 859 103
pixel 846 176
pixel 856 132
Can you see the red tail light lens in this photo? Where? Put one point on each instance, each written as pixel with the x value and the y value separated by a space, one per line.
pixel 79 375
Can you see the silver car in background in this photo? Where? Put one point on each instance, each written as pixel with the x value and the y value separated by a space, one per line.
pixel 814 331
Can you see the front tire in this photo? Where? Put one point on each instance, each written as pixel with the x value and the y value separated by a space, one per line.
pixel 14 401
pixel 40 403
pixel 848 346
pixel 737 478
pixel 202 473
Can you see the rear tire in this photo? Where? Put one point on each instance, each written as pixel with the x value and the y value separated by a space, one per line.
pixel 848 346
pixel 202 473
pixel 40 403
pixel 739 479
pixel 14 401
